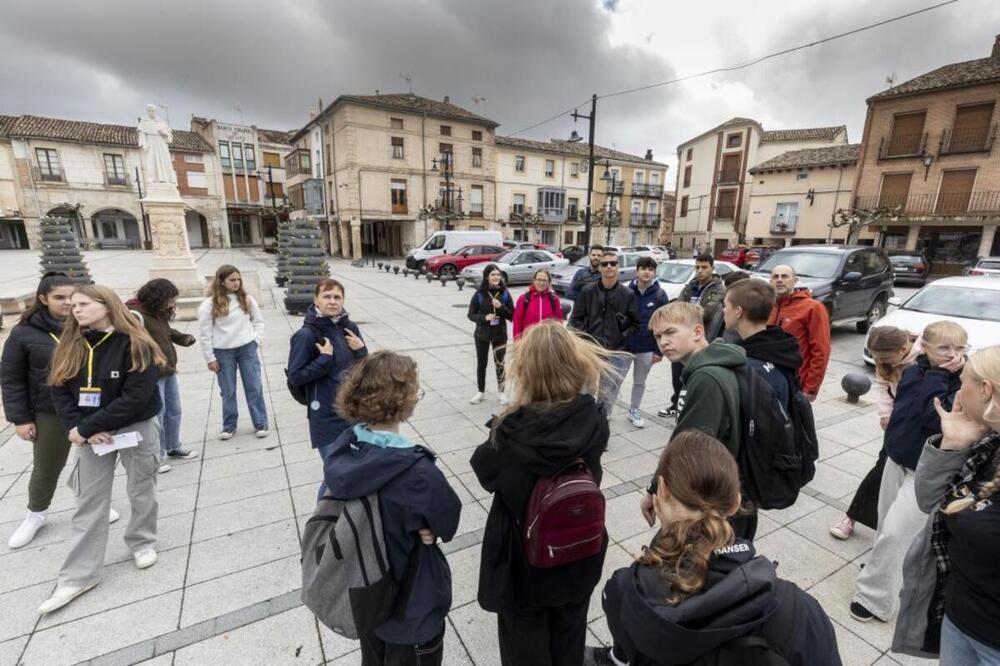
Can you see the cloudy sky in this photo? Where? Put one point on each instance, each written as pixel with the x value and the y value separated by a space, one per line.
pixel 268 63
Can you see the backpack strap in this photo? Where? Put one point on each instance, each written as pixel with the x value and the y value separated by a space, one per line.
pixel 552 301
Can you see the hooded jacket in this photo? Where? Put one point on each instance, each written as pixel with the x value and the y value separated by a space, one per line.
pixel 413 494
pixel 742 596
pixel 709 297
pixel 322 373
pixel 610 316
pixel 24 370
pixel 775 355
pixel 533 307
pixel 163 335
pixel 710 396
pixel 527 445
pixel 481 305
pixel 914 418
pixel 647 302
pixel 807 319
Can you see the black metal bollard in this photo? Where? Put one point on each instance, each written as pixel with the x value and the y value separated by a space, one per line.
pixel 460 281
pixel 855 385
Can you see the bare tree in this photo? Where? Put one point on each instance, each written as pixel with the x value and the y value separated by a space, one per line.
pixel 856 219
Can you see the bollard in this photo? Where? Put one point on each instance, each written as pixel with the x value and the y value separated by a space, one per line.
pixel 395 269
pixel 388 268
pixel 444 280
pixel 855 385
pixel 380 265
pixel 460 281
pixel 430 277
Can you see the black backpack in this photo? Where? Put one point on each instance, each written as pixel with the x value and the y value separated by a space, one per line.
pixel 301 393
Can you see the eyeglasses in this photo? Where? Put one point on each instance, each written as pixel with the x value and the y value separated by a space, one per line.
pixel 541 280
pixel 605 264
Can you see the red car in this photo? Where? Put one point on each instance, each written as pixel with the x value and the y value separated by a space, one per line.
pixel 450 265
pixel 734 255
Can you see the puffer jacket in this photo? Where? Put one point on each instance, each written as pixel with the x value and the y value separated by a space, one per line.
pixel 610 316
pixel 24 370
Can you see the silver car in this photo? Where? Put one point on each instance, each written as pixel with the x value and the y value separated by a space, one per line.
pixel 986 267
pixel 561 280
pixel 673 275
pixel 517 266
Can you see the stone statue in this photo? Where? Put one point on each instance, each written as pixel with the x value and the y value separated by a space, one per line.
pixel 154 141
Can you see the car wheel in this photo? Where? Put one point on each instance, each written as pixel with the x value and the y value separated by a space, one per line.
pixel 875 312
pixel 448 271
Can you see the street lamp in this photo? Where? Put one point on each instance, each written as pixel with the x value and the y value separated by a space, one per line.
pixel 576 138
pixel 443 210
pixel 611 178
pixel 927 159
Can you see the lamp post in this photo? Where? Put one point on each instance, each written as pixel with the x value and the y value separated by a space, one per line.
pixel 444 210
pixel 611 178
pixel 575 138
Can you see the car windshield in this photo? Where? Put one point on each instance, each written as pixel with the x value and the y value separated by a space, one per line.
pixel 435 242
pixel 906 259
pixel 965 302
pixel 671 272
pixel 505 258
pixel 989 265
pixel 805 264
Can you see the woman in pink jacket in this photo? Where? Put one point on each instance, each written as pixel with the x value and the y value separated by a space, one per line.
pixel 537 304
pixel 894 350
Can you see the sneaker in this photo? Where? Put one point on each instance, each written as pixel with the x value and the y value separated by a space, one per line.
pixel 635 419
pixel 226 434
pixel 843 529
pixel 261 433
pixel 144 558
pixel 182 453
pixel 113 516
pixel 163 468
pixel 597 656
pixel 26 531
pixel 504 400
pixel 477 398
pixel 667 412
pixel 62 596
pixel 860 613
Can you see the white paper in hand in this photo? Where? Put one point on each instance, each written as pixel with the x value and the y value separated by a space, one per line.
pixel 123 440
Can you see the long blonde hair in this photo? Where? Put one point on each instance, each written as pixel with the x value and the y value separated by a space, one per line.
pixel 70 353
pixel 984 366
pixel 220 295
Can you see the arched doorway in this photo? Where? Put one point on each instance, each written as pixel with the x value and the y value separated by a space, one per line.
pixel 197 229
pixel 73 215
pixel 115 229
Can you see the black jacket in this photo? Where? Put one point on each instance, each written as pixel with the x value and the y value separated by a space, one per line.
pixel 742 596
pixel 413 494
pixel 528 445
pixel 126 397
pixel 610 316
pixel 163 335
pixel 482 305
pixel 24 370
pixel 775 355
pixel 914 418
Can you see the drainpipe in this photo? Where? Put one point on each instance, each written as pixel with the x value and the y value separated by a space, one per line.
pixel 423 165
pixel 833 213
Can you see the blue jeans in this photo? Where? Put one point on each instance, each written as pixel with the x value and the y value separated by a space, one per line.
pixel 959 649
pixel 612 382
pixel 245 359
pixel 170 414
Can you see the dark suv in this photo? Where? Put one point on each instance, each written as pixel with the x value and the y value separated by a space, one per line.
pixel 854 282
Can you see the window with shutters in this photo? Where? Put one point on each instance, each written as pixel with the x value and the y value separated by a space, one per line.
pixel 445 130
pixel 955 192
pixel 730 172
pixel 726 207
pixel 476 201
pixel 477 158
pixel 895 189
pixel 397 147
pixel 550 168
pixel 395 123
pixel 518 206
pixel 397 189
pixel 687 176
pixel 519 163
pixel 684 207
pixel 972 131
pixel 114 169
pixel 477 135
pixel 734 140
pixel 690 154
pixel 907 138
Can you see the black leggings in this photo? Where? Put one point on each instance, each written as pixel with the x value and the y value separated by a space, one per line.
pixel 864 506
pixel 482 356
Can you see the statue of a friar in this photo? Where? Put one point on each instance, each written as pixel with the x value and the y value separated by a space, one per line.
pixel 154 141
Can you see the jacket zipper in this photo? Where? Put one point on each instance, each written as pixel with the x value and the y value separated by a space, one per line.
pixel 553 549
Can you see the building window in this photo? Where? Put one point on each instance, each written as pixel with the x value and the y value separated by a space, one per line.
pixel 551 202
pixel 196 158
pixel 305 164
pixel 445 148
pixel 477 157
pixel 476 201
pixel 802 175
pixel 584 167
pixel 397 147
pixel 786 217
pixel 687 176
pixel 684 207
pixel 237 156
pixel 397 189
pixel 907 136
pixel 197 179
pixel 270 159
pixel 971 129
pixel 326 159
pixel 690 154
pixel 550 168
pixel 251 157
pixel 574 169
pixel 445 130
pixel 518 207
pixel 519 163
pixel 395 123
pixel 224 155
pixel 477 135
pixel 572 208
pixel 734 140
pixel 114 169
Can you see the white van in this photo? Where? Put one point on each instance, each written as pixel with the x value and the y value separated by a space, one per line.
pixel 449 242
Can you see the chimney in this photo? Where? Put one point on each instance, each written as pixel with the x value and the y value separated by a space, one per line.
pixel 447 100
pixel 649 154
pixel 996 48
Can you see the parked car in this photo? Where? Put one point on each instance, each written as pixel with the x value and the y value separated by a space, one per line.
pixel 449 265
pixel 909 266
pixel 642 250
pixel 675 273
pixel 449 242
pixel 734 255
pixel 854 282
pixel 517 266
pixel 986 267
pixel 573 252
pixel 758 254
pixel 525 245
pixel 971 302
pixel 666 252
pixel 563 278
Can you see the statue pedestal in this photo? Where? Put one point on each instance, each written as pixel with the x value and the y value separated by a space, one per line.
pixel 172 258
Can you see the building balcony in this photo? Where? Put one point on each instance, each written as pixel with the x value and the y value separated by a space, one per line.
pixel 941 204
pixel 725 212
pixel 647 190
pixel 48 176
pixel 552 215
pixel 729 176
pixel 312 191
pixel 475 210
pixel 963 141
pixel 644 220
pixel 784 224
pixel 902 146
pixel 617 188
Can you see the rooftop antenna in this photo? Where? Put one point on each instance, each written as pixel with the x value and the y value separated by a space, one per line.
pixel 890 80
pixel 409 81
pixel 478 102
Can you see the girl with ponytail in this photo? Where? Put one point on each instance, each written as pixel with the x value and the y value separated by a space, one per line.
pixel 696 594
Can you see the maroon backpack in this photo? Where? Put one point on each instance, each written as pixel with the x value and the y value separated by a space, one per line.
pixel 564 521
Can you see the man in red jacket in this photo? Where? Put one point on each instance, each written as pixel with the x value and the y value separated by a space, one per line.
pixel 807 319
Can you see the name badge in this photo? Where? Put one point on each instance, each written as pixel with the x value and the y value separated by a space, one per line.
pixel 90 397
pixel 495 322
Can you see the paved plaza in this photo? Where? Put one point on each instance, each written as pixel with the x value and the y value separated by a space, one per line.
pixel 225 589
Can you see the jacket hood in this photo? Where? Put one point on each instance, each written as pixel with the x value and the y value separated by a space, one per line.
pixel 314 318
pixel 355 469
pixel 716 280
pixel 653 286
pixel 797 295
pixel 739 594
pixel 774 345
pixel 45 322
pixel 544 440
pixel 717 353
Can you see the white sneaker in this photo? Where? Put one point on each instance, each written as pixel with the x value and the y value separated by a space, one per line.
pixel 477 398
pixel 163 468
pixel 62 596
pixel 226 434
pixel 113 516
pixel 504 400
pixel 635 419
pixel 145 558
pixel 262 433
pixel 26 531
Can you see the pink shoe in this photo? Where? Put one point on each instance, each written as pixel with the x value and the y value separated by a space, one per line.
pixel 843 529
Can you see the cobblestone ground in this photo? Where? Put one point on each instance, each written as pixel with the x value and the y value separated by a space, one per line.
pixel 226 587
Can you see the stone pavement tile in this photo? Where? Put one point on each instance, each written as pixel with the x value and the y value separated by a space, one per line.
pixel 478 631
pixel 294 428
pixel 641 466
pixel 826 408
pixel 95 635
pixel 162 660
pixel 173 501
pixel 886 660
pixel 286 638
pixel 243 486
pixel 460 439
pixel 634 545
pixel 457 462
pixel 615 558
pixel 848 435
pixel 242 550
pixel 854 651
pixel 873 446
pixel 609 480
pixel 443 424
pixel 181 475
pixel 799 560
pixel 454 651
pixel 427 409
pixel 835 594
pixel 339 650
pixel 651 438
pixel 618 448
pixel 10 651
pixel 238 590
pixel 8 480
pixel 471 483
pixel 828 448
pixel 464 575
pixel 766 524
pixel 803 505
pixel 598 633
pixel 833 482
pixel 816 527
pixel 309 470
pixel 473 518
pixel 304 498
pixel 623 517
pixel 28 566
pixel 244 514
pixel 214 449
pixel 219 468
pixel 18 610
pixel 854 461
pixel 464 495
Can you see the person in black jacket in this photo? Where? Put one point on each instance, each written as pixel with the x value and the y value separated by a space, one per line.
pixel 696 595
pixel 588 274
pixel 416 504
pixel 103 378
pixel 491 308
pixel 608 312
pixel 552 422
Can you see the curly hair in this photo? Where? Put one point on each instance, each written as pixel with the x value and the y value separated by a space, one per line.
pixel 155 296
pixel 381 388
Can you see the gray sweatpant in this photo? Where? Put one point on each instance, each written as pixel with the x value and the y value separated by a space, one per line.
pixel 642 362
pixel 91 480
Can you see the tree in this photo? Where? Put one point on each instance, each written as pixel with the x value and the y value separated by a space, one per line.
pixel 856 219
pixel 61 249
pixel 305 265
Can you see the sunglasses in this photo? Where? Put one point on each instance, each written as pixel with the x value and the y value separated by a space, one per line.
pixel 605 264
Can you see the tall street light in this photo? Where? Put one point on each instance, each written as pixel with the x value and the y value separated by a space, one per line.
pixel 576 138
pixel 443 210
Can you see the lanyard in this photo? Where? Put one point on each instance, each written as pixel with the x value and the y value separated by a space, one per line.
pixel 54 337
pixel 90 357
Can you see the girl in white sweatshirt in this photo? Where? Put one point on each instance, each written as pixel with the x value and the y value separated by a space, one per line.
pixel 230 330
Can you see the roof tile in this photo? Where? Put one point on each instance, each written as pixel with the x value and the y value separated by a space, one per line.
pixel 579 149
pixel 811 157
pixel 804 134
pixel 77 131
pixel 955 75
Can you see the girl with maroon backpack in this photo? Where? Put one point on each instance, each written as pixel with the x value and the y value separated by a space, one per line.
pixel 552 426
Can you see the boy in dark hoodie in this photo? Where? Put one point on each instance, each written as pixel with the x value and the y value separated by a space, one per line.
pixel 416 504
